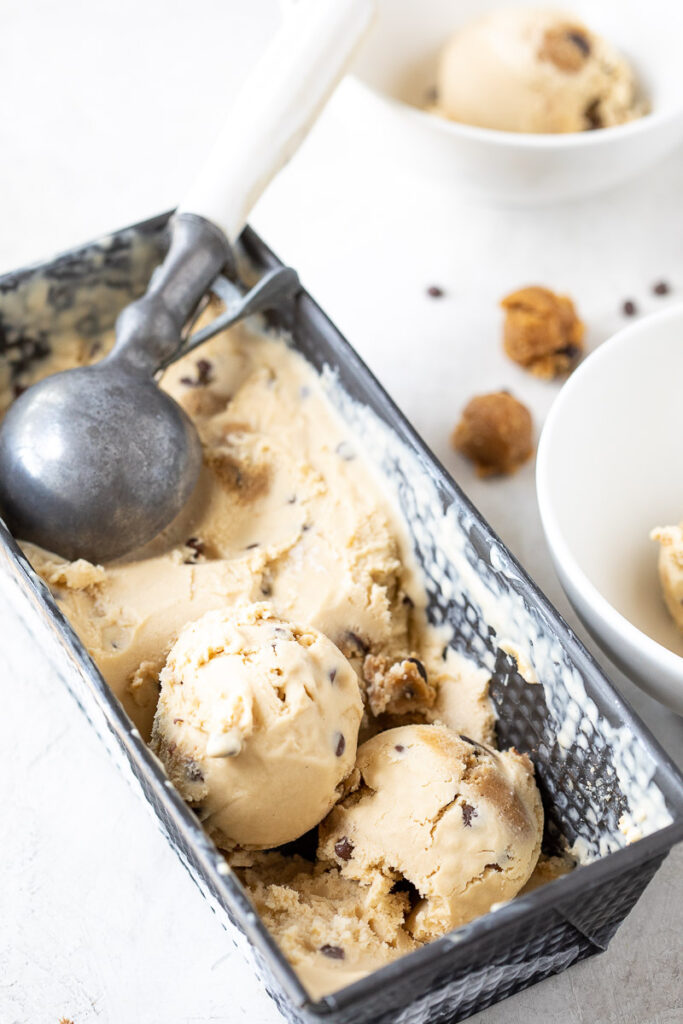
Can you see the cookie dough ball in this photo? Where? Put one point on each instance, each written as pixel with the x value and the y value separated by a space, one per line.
pixel 495 432
pixel 526 70
pixel 542 331
pixel 671 568
pixel 331 929
pixel 457 821
pixel 257 724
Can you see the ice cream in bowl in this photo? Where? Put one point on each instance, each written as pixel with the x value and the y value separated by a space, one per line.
pixel 520 102
pixel 610 495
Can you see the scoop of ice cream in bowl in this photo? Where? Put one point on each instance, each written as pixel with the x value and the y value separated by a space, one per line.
pixel 610 493
pixel 519 103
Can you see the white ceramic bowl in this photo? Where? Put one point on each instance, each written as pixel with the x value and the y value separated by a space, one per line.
pixel 609 469
pixel 396 68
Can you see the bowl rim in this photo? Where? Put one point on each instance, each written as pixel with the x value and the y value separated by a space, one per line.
pixel 554 141
pixel 667 660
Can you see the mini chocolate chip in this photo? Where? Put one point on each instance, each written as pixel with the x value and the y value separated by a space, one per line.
pixel 570 351
pixel 407 600
pixel 250 547
pixel 197 546
pixel 193 772
pixel 362 645
pixel 203 371
pixel 266 589
pixel 343 848
pixel 178 721
pixel 434 292
pixel 444 653
pixel 333 674
pixel 399 747
pixel 172 747
pixel 592 115
pixel 305 527
pixel 419 666
pixel 580 41
pixel 291 500
pixel 494 867
pixel 468 812
pixel 334 952
pixel 203 375
pixel 340 745
pixel 661 288
pixel 629 308
pixel 18 389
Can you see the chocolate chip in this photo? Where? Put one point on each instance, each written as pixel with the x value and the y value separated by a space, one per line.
pixel 197 546
pixel 333 674
pixel 494 867
pixel 250 547
pixel 468 812
pixel 266 589
pixel 407 600
pixel 399 747
pixel 193 772
pixel 661 288
pixel 18 389
pixel 178 721
pixel 343 848
pixel 570 351
pixel 434 292
pixel 340 745
pixel 334 952
pixel 291 500
pixel 203 371
pixel 419 666
pixel 629 308
pixel 592 115
pixel 444 653
pixel 580 41
pixel 361 645
pixel 203 377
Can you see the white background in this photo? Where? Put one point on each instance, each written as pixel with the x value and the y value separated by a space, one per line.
pixel 104 110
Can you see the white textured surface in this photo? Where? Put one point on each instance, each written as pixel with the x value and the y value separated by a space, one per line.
pixel 98 921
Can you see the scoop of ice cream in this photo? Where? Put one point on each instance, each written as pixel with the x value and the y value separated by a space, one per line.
pixel 529 70
pixel 459 822
pixel 257 724
pixel 671 568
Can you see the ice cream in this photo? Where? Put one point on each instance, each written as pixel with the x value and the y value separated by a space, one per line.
pixel 333 930
pixel 257 723
pixel 535 70
pixel 458 822
pixel 290 564
pixel 286 511
pixel 671 568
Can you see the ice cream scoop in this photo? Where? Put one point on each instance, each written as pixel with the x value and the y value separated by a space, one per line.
pixel 257 724
pixel 96 461
pixel 458 822
pixel 535 70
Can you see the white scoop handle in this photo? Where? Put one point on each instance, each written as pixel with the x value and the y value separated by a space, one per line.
pixel 276 106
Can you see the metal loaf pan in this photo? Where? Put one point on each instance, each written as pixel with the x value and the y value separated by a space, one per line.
pixel 597 765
